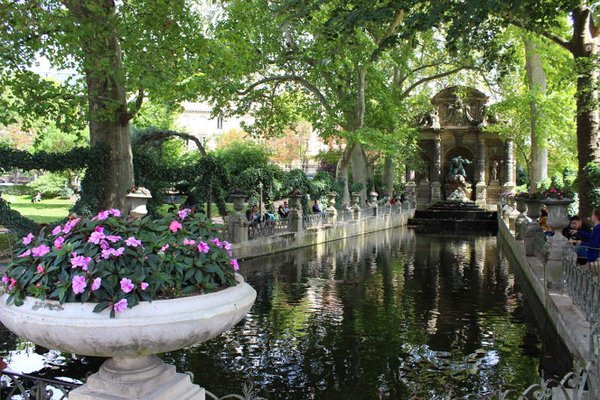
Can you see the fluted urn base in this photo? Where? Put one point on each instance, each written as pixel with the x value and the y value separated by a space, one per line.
pixel 143 378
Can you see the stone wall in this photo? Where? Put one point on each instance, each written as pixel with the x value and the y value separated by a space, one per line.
pixel 325 233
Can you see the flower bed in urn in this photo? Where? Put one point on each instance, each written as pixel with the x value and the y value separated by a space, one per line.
pixel 117 262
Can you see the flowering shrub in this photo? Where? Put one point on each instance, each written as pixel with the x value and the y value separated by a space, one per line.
pixel 558 194
pixel 118 262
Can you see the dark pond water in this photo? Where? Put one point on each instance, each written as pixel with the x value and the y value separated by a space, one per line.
pixel 393 315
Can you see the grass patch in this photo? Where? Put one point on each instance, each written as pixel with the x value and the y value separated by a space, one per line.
pixel 45 212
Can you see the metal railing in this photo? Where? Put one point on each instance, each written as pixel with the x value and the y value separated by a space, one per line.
pixel 28 387
pixel 582 283
pixel 268 228
pixel 344 216
pixel 314 220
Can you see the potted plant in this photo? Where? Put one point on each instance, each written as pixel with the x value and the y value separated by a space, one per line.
pixel 127 289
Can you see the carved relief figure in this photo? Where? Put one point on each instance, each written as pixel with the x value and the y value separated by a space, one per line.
pixel 431 120
pixel 457 166
pixel 494 171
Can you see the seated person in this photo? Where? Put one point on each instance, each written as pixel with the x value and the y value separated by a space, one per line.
pixel 316 209
pixel 269 215
pixel 281 211
pixel 589 245
pixel 543 221
pixel 575 224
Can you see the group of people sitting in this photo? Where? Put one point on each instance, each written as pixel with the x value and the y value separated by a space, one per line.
pixel 585 237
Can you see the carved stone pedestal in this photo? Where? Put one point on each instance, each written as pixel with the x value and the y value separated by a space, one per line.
pixel 144 378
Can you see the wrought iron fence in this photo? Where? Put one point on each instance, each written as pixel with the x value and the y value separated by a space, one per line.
pixel 314 220
pixel 583 286
pixel 344 216
pixel 28 387
pixel 268 228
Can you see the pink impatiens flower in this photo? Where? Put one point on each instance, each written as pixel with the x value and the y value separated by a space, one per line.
pixel 183 213
pixel 174 226
pixel 13 283
pixel 70 225
pixel 96 284
pixel 144 285
pixel 40 251
pixel 80 261
pixel 115 212
pixel 58 242
pixel 188 242
pixel 131 241
pixel 96 237
pixel 234 264
pixel 78 284
pixel 57 229
pixel 203 247
pixel 27 239
pixel 5 279
pixel 165 247
pixel 25 254
pixel 120 305
pixel 126 285
pixel 108 252
pixel 40 269
pixel 102 215
pixel 113 238
pixel 217 242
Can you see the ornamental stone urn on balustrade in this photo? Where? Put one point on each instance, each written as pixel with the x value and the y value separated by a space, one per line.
pixel 557 245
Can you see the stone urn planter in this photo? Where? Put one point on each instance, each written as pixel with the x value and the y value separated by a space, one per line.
pixel 131 339
pixel 534 208
pixel 558 214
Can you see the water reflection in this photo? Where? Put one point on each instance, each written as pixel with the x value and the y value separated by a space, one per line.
pixel 390 315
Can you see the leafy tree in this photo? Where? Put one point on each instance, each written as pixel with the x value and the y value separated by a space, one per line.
pixel 121 52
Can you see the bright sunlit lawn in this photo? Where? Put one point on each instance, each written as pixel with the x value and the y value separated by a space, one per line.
pixel 45 212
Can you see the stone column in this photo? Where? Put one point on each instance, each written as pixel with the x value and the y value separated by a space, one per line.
pixel 295 215
pixel 239 222
pixel 509 163
pixel 436 179
pixel 480 186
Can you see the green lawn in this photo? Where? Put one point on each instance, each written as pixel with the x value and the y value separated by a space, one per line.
pixel 45 212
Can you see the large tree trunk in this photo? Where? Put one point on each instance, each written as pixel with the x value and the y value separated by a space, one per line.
pixel 389 176
pixel 585 49
pixel 341 173
pixel 536 78
pixel 107 102
pixel 360 170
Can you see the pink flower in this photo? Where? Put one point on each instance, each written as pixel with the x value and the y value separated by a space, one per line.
pixel 226 245
pixel 96 237
pixel 5 279
pixel 120 305
pixel 106 253
pixel 234 264
pixel 175 226
pixel 131 241
pixel 58 242
pixel 57 229
pixel 70 225
pixel 144 285
pixel 183 213
pixel 203 247
pixel 162 249
pixel 40 250
pixel 113 238
pixel 27 239
pixel 28 252
pixel 40 269
pixel 126 285
pixel 217 242
pixel 104 245
pixel 102 215
pixel 115 212
pixel 119 252
pixel 13 283
pixel 188 242
pixel 78 284
pixel 80 261
pixel 96 284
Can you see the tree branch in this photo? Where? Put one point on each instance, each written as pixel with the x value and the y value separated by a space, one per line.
pixel 138 104
pixel 433 77
pixel 548 35
pixel 165 134
pixel 290 78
